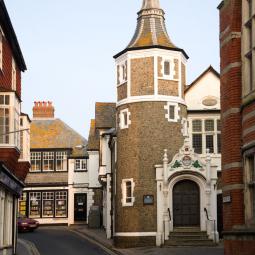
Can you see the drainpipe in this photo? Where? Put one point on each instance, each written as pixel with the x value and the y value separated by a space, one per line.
pixel 165 193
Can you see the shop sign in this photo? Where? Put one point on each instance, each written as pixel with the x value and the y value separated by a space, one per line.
pixel 227 199
pixel 10 183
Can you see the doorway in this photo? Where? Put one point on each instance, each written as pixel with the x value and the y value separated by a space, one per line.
pixel 80 207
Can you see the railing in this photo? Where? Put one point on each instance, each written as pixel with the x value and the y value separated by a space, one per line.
pixel 214 223
pixel 169 213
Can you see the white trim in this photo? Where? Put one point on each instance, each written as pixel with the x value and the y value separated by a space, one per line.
pixel 151 98
pixel 176 111
pixel 123 189
pixel 172 73
pixel 124 125
pixel 130 234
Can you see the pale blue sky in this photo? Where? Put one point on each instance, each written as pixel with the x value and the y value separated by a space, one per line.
pixel 68 48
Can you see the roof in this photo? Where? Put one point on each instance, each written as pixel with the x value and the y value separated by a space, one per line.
pixel 209 69
pixel 26 115
pixel 55 134
pixel 10 35
pixel 105 115
pixel 151 30
pixel 93 141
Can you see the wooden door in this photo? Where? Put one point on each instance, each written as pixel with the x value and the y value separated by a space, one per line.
pixel 186 204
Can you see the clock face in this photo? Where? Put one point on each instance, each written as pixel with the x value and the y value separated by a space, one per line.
pixel 186 160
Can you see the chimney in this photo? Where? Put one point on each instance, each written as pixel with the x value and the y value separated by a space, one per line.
pixel 43 110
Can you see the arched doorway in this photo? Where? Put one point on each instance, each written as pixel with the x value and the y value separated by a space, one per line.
pixel 186 204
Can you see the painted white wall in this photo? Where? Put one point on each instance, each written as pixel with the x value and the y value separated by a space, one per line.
pixel 93 169
pixel 208 85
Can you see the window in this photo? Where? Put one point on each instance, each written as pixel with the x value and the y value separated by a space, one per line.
pixel 122 73
pixel 35 161
pixel 61 204
pixel 35 204
pixel 127 192
pixel 80 165
pixel 206 134
pixel 48 161
pixel 47 204
pixel 14 75
pixel 124 119
pixel 23 203
pixel 171 112
pixel 4 125
pixel 61 161
pixel 167 67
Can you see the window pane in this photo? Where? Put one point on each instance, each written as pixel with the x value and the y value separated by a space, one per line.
pixel 48 204
pixel 35 161
pixel 171 112
pixel 218 125
pixel 219 143
pixel 128 192
pixel 35 204
pixel 61 204
pixel 209 125
pixel 197 126
pixel 48 161
pixel 61 160
pixel 167 68
pixel 125 118
pixel 209 143
pixel 197 143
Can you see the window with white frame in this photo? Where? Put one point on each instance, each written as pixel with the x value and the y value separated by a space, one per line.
pixel 47 204
pixel 4 119
pixel 172 114
pixel 61 204
pixel 61 161
pixel 14 75
pixel 206 134
pixel 122 73
pixel 35 204
pixel 167 67
pixel 36 159
pixel 128 192
pixel 48 161
pixel 1 50
pixel 80 165
pixel 124 119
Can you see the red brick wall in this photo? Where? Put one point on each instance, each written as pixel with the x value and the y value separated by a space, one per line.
pixel 237 247
pixel 6 74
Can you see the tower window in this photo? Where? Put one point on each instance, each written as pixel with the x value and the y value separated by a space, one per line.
pixel 172 114
pixel 124 119
pixel 127 187
pixel 167 67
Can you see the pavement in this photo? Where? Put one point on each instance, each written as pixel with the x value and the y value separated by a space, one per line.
pixel 98 236
pixel 25 247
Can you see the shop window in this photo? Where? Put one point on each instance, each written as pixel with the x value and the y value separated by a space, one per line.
pixel 23 204
pixel 35 204
pixel 61 161
pixel 35 161
pixel 127 192
pixel 47 204
pixel 80 165
pixel 48 161
pixel 61 204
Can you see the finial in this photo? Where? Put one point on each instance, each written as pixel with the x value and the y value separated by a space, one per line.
pixel 150 4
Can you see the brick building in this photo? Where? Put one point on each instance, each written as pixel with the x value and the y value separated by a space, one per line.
pixel 238 124
pixel 59 188
pixel 151 174
pixel 14 132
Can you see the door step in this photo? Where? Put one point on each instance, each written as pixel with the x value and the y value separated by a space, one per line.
pixel 188 237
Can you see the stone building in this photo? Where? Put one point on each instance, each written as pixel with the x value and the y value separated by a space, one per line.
pixel 59 188
pixel 155 182
pixel 14 132
pixel 238 124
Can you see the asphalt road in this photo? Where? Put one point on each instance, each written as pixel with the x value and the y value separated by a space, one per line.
pixel 59 240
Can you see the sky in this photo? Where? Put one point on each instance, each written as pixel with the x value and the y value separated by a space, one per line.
pixel 69 46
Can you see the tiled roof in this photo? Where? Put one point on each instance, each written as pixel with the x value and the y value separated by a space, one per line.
pixel 105 115
pixel 54 133
pixel 151 29
pixel 93 141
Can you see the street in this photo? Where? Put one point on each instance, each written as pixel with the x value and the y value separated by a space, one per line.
pixel 59 240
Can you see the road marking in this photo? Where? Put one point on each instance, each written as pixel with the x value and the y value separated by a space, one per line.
pixel 29 246
pixel 91 240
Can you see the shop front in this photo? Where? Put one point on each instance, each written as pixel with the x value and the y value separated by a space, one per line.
pixel 10 190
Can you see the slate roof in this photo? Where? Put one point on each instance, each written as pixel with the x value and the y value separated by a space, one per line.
pixel 105 115
pixel 54 133
pixel 105 119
